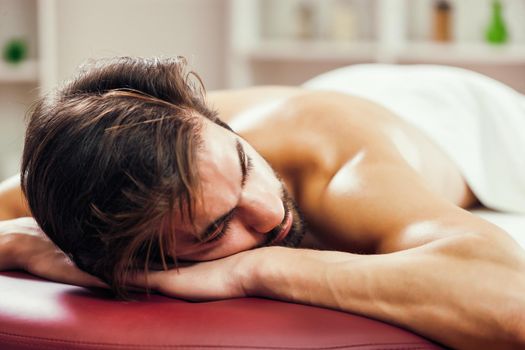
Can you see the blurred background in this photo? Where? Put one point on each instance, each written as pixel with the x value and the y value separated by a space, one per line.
pixel 237 43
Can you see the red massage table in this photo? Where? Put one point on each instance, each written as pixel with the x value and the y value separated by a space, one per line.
pixel 38 314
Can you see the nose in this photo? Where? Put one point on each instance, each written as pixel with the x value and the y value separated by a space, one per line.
pixel 261 211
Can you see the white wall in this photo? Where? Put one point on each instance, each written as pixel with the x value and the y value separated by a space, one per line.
pixel 17 20
pixel 100 28
pixel 14 102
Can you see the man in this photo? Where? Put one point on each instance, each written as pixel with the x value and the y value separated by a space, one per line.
pixel 129 169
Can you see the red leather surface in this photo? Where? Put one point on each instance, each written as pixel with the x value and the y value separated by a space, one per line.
pixel 37 314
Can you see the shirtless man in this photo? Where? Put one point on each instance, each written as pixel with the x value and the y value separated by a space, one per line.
pixel 130 169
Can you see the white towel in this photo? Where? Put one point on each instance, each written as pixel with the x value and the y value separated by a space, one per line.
pixel 479 122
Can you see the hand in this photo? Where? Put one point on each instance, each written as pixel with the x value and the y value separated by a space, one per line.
pixel 223 278
pixel 35 253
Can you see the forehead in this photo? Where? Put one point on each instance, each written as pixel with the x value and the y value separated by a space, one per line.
pixel 219 175
pixel 218 153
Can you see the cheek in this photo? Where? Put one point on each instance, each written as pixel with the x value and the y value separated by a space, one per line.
pixel 237 239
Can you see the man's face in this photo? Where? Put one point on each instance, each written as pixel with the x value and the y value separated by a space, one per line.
pixel 243 204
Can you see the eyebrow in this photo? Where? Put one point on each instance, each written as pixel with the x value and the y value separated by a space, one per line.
pixel 245 163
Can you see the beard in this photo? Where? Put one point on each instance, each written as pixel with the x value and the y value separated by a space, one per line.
pixel 298 228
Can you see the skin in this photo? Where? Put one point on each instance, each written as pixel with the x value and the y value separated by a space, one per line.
pixel 388 236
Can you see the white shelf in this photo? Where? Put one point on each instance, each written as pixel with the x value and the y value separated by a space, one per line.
pixel 457 53
pixel 327 51
pixel 24 72
pixel 311 50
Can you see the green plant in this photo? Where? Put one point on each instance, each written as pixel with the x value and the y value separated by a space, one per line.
pixel 15 50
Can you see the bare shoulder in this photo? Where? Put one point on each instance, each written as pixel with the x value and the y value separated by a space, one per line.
pixel 231 103
pixel 320 118
pixel 355 184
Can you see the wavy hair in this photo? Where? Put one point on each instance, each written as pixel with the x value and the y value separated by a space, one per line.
pixel 110 157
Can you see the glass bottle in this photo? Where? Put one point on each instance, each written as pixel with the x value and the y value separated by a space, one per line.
pixel 442 21
pixel 497 30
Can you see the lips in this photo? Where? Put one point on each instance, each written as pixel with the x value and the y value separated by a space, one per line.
pixel 284 232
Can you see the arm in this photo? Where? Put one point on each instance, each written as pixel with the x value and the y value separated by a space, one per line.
pixel 465 292
pixel 12 205
pixel 7 252
pixel 24 246
pixel 449 275
pixel 12 201
pixel 436 290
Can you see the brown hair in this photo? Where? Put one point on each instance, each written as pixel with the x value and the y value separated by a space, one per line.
pixel 109 158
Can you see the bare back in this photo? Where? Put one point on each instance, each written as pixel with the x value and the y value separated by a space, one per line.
pixel 328 140
pixel 257 113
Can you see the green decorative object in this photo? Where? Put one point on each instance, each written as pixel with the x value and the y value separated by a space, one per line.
pixel 15 51
pixel 497 30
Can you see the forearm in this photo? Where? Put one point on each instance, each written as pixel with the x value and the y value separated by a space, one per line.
pixel 24 246
pixel 16 237
pixel 438 290
pixel 7 252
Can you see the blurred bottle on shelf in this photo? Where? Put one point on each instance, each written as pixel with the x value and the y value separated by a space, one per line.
pixel 442 21
pixel 342 21
pixel 305 20
pixel 496 32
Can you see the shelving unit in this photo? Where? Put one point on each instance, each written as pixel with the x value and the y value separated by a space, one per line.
pixel 21 83
pixel 39 30
pixel 256 51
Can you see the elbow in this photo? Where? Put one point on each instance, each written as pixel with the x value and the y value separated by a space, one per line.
pixel 506 261
pixel 515 325
pixel 512 307
pixel 509 259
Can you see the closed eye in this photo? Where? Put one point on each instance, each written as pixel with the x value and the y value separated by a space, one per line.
pixel 221 229
pixel 245 161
